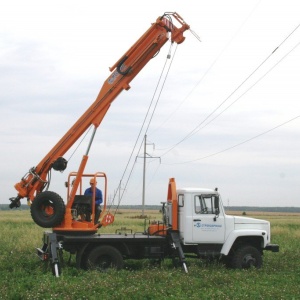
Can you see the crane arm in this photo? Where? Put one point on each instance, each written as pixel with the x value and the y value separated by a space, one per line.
pixel 123 72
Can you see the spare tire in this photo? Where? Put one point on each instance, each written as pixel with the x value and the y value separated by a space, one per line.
pixel 47 209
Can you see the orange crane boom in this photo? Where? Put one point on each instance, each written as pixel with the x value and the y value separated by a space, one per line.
pixel 123 72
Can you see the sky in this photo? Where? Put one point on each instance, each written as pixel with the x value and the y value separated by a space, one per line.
pixel 227 114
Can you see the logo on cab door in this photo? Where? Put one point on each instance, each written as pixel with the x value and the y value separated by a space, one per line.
pixel 207 227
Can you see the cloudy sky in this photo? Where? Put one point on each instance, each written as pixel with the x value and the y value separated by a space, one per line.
pixel 227 115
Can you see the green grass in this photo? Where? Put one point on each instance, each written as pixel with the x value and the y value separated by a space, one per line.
pixel 24 276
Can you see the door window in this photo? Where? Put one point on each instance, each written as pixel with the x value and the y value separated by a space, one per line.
pixel 181 200
pixel 204 204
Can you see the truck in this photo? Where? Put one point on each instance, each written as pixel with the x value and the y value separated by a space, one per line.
pixel 194 223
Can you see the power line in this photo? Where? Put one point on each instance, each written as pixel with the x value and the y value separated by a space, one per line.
pixel 236 145
pixel 197 128
pixel 254 84
pixel 209 68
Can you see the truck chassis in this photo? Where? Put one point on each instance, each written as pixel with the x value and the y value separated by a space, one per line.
pixel 103 251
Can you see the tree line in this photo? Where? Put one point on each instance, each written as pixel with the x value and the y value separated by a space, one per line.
pixel 158 207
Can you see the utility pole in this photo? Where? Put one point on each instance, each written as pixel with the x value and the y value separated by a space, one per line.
pixel 144 174
pixel 145 156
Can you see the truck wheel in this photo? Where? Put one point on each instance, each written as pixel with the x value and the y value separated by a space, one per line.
pixel 246 257
pixel 104 257
pixel 47 209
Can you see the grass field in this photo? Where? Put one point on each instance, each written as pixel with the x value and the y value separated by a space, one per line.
pixel 24 276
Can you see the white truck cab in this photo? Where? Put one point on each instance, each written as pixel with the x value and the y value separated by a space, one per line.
pixel 202 222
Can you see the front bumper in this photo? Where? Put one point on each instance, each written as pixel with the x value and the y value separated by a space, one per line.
pixel 272 247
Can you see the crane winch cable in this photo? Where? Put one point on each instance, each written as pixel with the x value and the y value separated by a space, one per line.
pixel 141 129
pixel 163 84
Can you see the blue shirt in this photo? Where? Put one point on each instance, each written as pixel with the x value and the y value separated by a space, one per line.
pixel 98 198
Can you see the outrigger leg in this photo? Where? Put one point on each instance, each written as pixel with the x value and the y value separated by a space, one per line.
pixel 50 252
pixel 176 245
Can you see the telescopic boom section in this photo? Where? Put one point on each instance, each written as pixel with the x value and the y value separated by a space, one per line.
pixel 123 71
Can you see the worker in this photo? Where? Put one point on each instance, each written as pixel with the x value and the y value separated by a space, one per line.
pixel 98 197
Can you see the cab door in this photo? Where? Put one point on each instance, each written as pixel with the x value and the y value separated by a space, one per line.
pixel 208 226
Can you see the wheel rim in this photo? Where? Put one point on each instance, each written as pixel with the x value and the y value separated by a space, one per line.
pixel 249 261
pixel 47 209
pixel 104 262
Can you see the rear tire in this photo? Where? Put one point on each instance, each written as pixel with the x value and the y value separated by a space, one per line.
pixel 47 209
pixel 104 257
pixel 246 257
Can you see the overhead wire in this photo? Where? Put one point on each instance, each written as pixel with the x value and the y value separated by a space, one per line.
pixel 209 68
pixel 236 145
pixel 197 128
pixel 254 84
pixel 130 158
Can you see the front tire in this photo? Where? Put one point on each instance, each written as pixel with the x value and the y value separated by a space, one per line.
pixel 246 257
pixel 104 257
pixel 47 209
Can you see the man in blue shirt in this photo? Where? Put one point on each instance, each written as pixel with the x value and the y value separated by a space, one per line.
pixel 98 197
